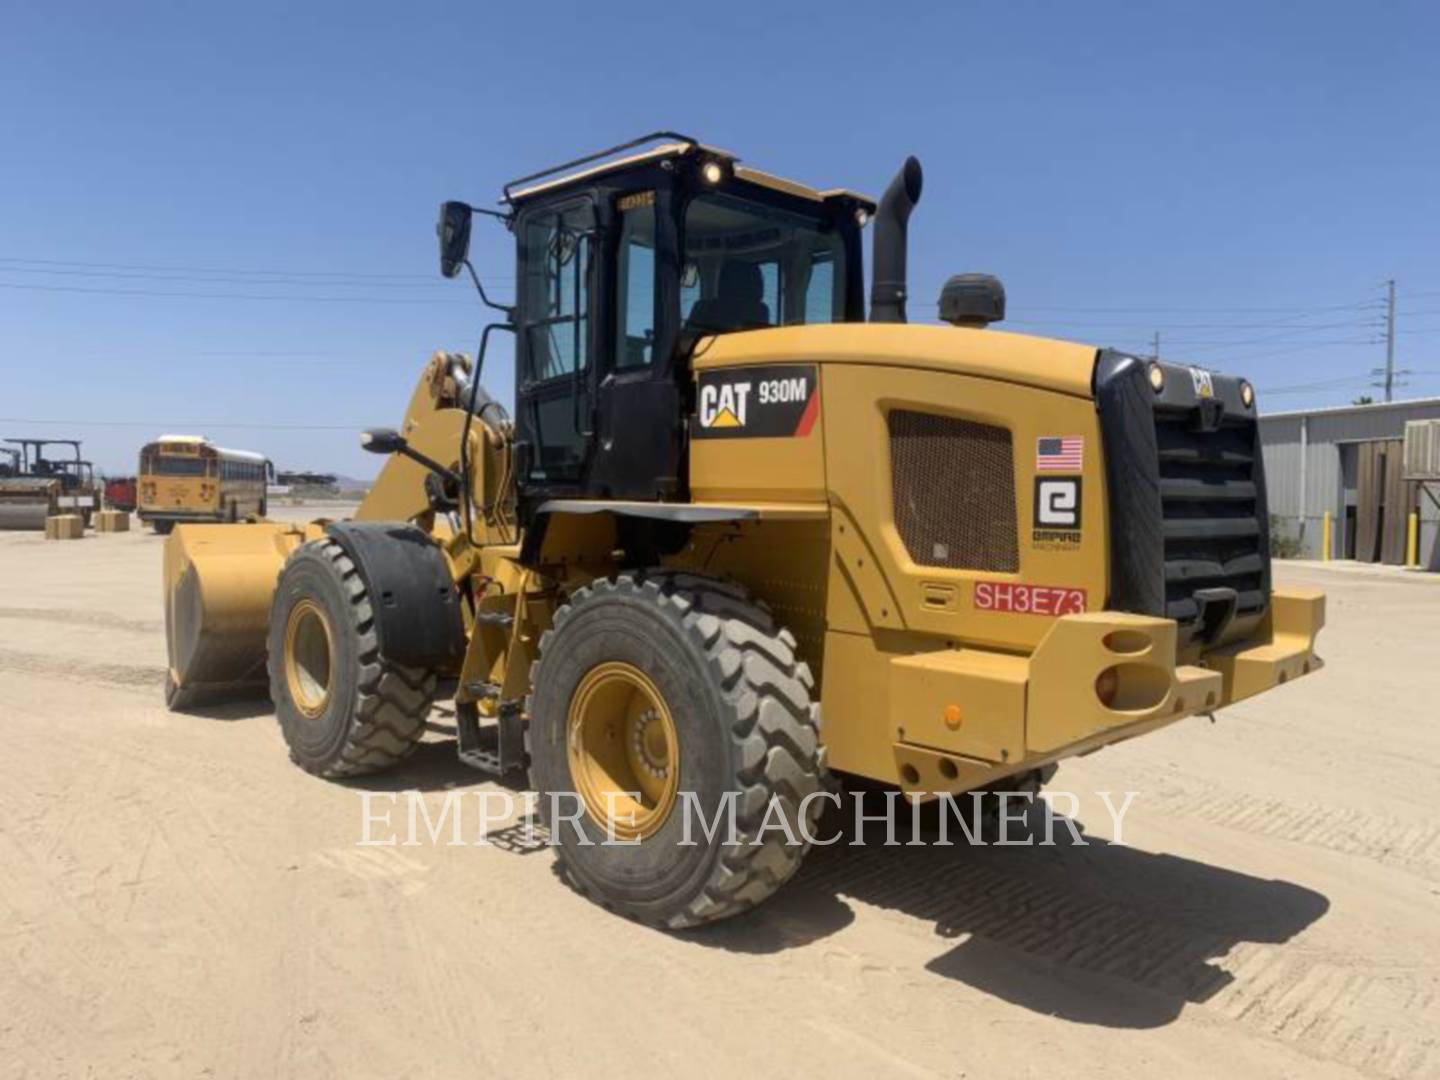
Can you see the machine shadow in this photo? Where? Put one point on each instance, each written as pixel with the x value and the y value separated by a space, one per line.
pixel 434 766
pixel 248 708
pixel 1094 932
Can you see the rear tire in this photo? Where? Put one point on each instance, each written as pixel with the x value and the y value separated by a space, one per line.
pixel 344 709
pixel 163 528
pixel 737 701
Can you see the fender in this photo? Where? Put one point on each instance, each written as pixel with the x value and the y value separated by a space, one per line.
pixel 675 515
pixel 416 603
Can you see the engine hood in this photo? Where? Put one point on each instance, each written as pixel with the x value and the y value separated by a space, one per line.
pixel 1062 366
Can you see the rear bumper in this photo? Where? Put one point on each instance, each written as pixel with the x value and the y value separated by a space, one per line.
pixel 967 717
pixel 1286 652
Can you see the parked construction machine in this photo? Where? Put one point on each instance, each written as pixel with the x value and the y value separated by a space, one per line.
pixel 738 537
pixel 36 486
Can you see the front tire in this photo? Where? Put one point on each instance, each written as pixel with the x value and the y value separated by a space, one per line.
pixel 682 689
pixel 163 528
pixel 344 709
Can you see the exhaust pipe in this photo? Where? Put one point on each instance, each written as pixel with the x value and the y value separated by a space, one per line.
pixel 887 280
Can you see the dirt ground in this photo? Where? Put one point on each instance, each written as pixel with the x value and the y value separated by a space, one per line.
pixel 176 899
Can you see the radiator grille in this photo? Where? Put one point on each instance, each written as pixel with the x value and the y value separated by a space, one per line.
pixel 1213 514
pixel 953 485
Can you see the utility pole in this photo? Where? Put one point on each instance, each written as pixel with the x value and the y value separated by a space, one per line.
pixel 1157 344
pixel 1390 341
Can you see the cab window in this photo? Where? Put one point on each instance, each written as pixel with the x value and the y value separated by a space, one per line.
pixel 635 283
pixel 748 266
pixel 557 253
pixel 558 248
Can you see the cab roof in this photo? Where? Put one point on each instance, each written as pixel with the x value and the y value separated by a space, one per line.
pixel 676 146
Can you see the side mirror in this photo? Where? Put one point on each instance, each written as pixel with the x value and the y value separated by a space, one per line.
pixel 383 441
pixel 389 441
pixel 453 229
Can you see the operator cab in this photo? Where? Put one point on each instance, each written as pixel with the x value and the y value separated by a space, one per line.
pixel 32 460
pixel 622 268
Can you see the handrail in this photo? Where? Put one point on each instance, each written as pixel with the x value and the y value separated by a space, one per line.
pixel 654 136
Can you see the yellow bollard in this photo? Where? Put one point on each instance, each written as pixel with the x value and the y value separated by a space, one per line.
pixel 1412 539
pixel 1325 539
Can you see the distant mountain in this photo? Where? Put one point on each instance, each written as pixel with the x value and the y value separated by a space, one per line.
pixel 350 483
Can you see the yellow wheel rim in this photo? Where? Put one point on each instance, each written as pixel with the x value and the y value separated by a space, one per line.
pixel 309 658
pixel 621 743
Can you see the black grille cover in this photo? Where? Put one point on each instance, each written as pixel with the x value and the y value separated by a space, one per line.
pixel 953 486
pixel 1188 516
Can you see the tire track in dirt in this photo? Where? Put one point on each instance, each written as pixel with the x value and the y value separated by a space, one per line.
pixel 1410 845
pixel 1184 933
pixel 125 676
pixel 1335 1007
pixel 72 617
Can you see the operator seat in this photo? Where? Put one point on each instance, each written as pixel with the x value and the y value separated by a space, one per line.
pixel 738 303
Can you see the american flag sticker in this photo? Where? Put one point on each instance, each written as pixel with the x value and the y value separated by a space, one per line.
pixel 1055 453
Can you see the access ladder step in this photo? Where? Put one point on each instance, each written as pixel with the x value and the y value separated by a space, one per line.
pixel 498 748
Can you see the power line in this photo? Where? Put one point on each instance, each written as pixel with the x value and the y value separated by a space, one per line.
pixel 216 269
pixel 1195 326
pixel 296 298
pixel 192 424
pixel 229 279
pixel 1185 310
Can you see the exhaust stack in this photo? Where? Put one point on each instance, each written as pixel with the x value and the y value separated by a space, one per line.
pixel 887 280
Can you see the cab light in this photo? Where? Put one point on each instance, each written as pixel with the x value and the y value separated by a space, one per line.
pixel 1157 377
pixel 712 172
pixel 1247 394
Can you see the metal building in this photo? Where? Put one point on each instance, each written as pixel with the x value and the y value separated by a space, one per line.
pixel 1348 461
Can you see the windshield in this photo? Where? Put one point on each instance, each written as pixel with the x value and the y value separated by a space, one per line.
pixel 749 266
pixel 176 465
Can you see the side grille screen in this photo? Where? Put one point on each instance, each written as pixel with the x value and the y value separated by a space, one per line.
pixel 953 484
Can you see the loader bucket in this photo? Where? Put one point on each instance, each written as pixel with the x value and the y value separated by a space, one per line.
pixel 219 581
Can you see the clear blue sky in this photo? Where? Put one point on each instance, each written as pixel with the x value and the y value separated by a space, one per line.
pixel 1123 167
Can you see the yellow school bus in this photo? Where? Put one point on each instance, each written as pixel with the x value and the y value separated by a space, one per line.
pixel 188 478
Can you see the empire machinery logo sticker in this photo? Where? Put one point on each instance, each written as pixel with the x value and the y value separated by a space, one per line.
pixel 1057 513
pixel 776 402
pixel 1057 498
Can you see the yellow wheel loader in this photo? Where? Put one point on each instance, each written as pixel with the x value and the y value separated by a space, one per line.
pixel 738 536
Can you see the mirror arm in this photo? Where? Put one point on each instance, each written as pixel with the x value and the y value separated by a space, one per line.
pixel 508 312
pixel 430 463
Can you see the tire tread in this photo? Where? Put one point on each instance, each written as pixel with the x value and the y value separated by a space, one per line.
pixel 776 729
pixel 392 700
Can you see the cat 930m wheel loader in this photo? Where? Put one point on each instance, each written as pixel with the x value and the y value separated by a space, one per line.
pixel 737 535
